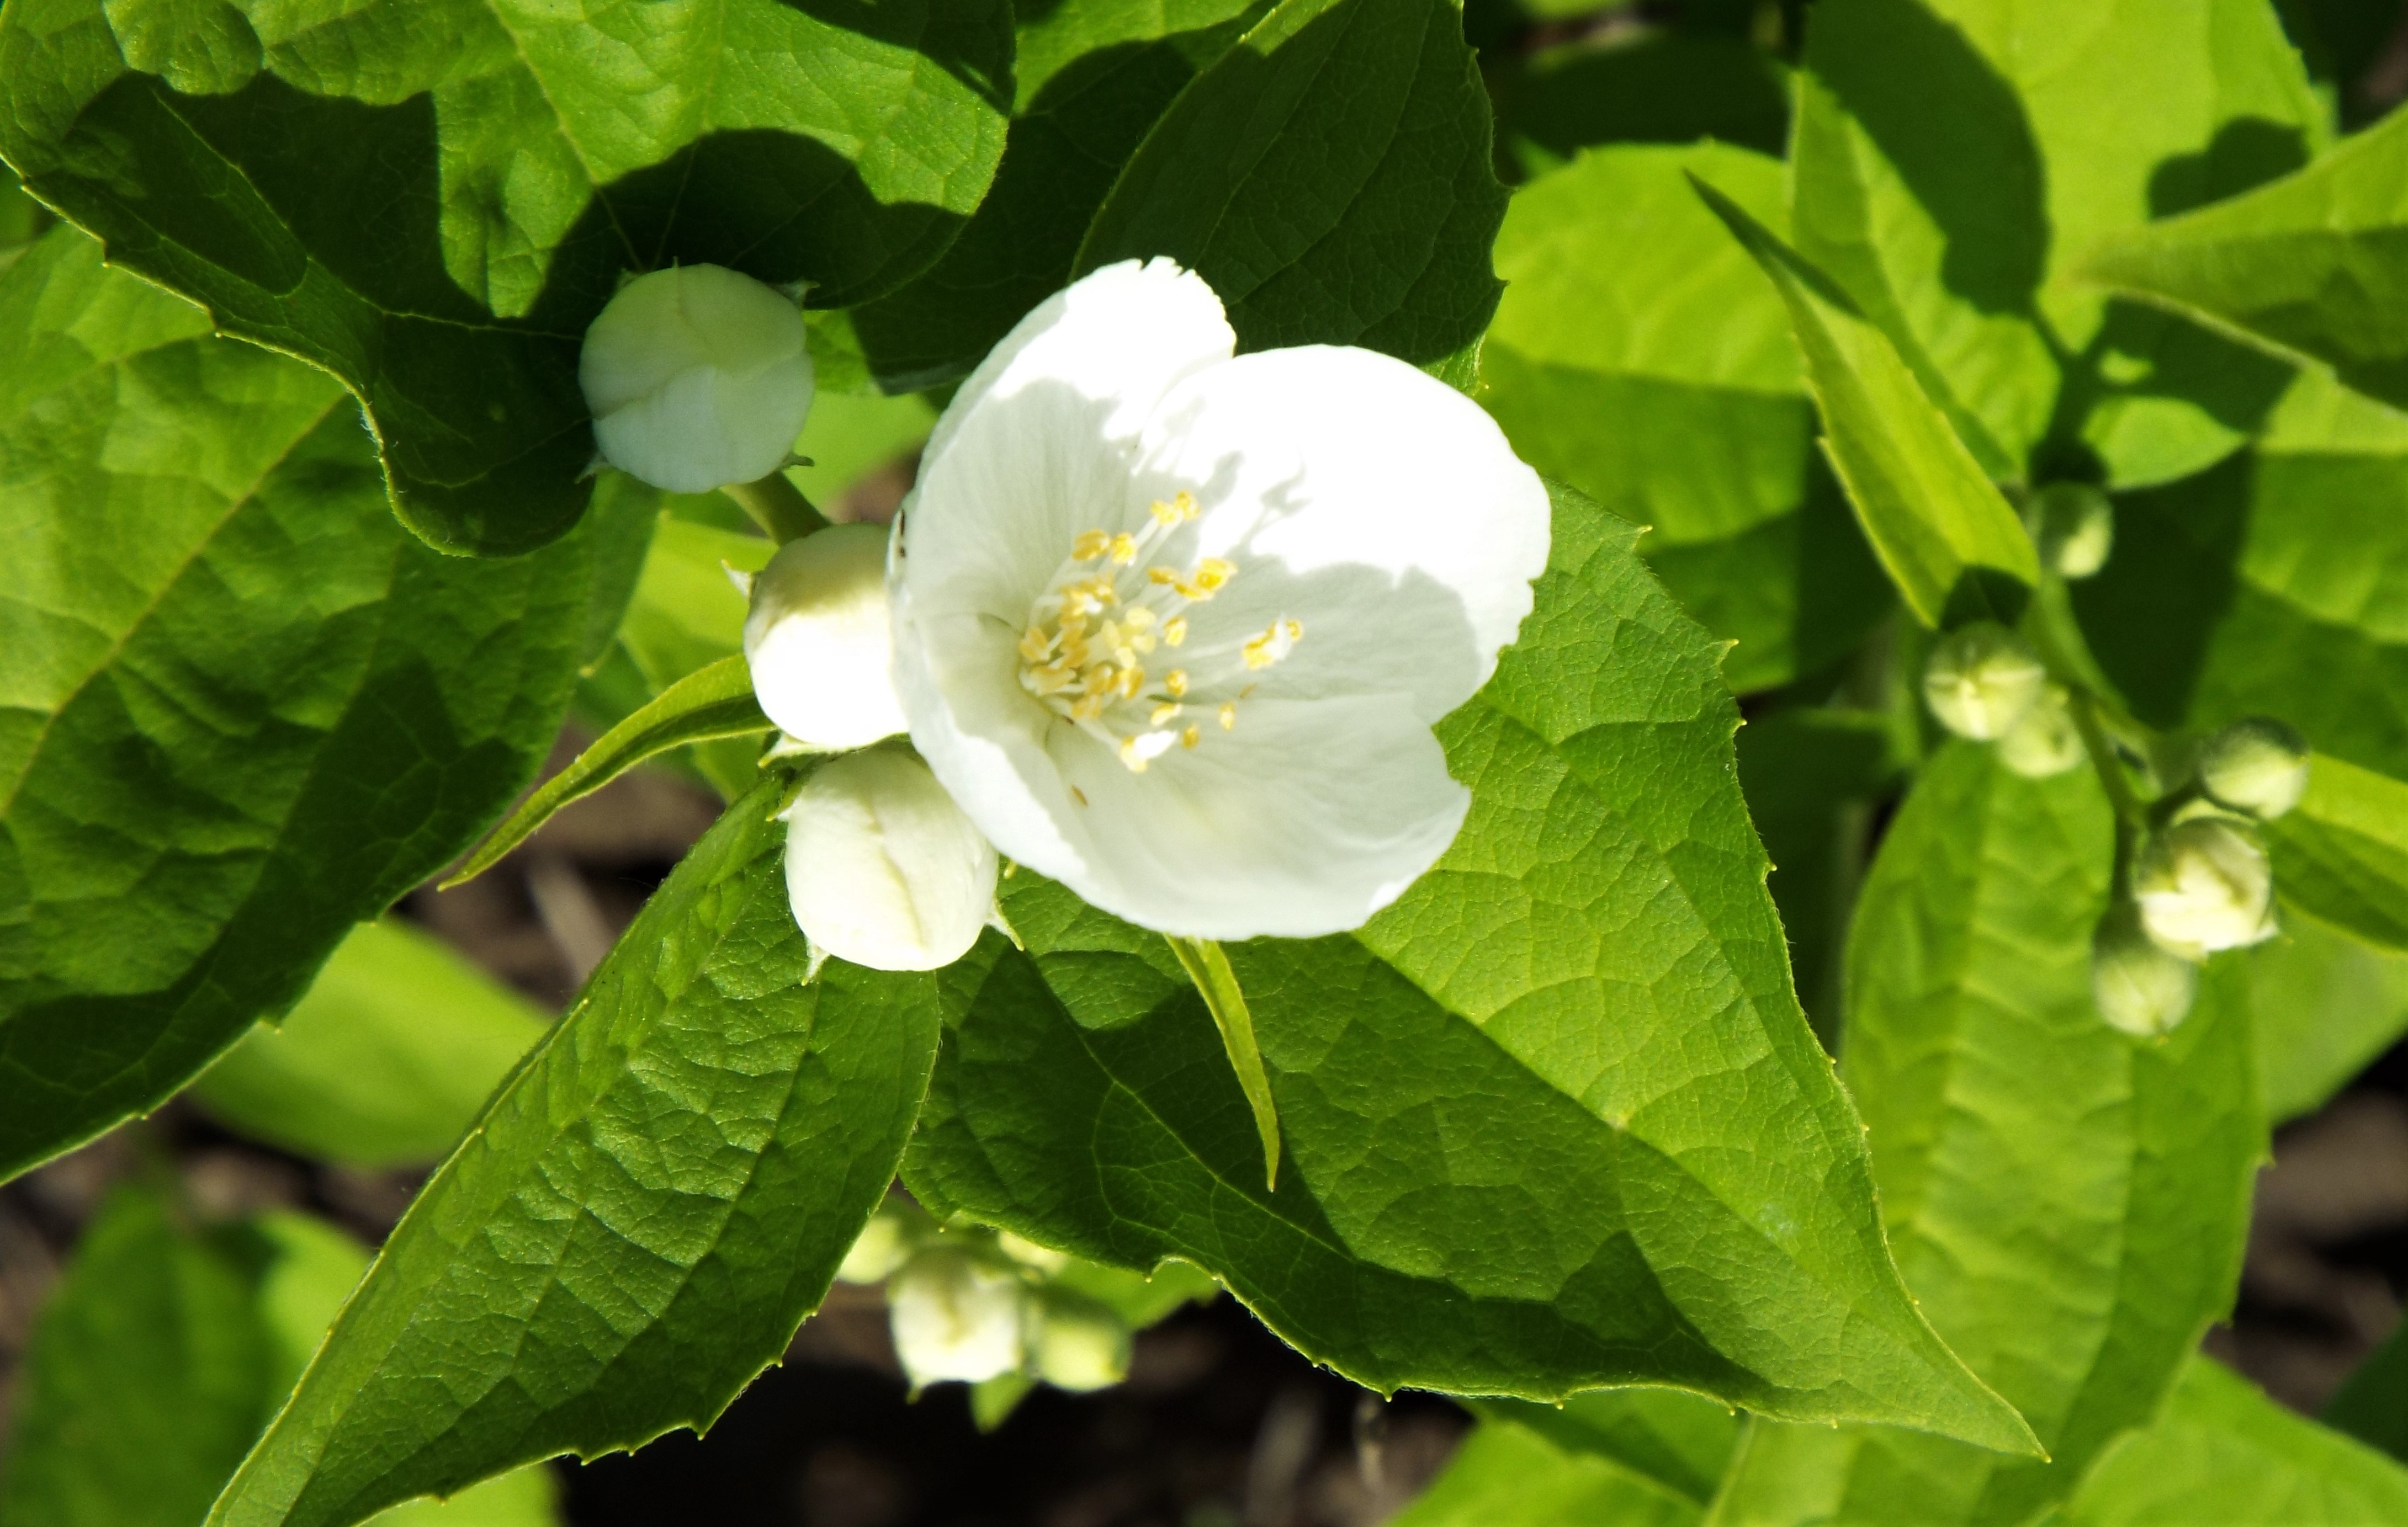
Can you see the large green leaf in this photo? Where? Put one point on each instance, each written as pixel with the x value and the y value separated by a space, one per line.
pixel 2069 1206
pixel 1639 355
pixel 2314 265
pixel 2325 1005
pixel 240 709
pixel 2276 583
pixel 1508 1475
pixel 1947 538
pixel 384 1062
pixel 432 198
pixel 1329 175
pixel 2223 1452
pixel 636 1225
pixel 1682 1442
pixel 1091 76
pixel 1954 160
pixel 2341 853
pixel 1664 87
pixel 2373 1405
pixel 1552 1120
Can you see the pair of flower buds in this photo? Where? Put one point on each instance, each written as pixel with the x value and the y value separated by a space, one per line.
pixel 1166 623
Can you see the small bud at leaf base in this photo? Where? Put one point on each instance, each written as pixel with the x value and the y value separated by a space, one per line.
pixel 2204 885
pixel 820 643
pixel 955 1318
pixel 2074 527
pixel 882 869
pixel 2139 988
pixel 884 1245
pixel 697 377
pixel 2257 766
pixel 1079 1345
pixel 2045 743
pixel 1043 1259
pixel 1981 678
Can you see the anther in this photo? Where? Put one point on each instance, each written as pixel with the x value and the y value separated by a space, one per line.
pixel 1229 715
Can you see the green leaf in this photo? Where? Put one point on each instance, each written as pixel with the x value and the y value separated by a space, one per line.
pixel 1949 541
pixel 2373 1405
pixel 241 709
pixel 1329 175
pixel 1682 1442
pixel 1508 1475
pixel 2324 1004
pixel 849 435
pixel 1638 355
pixel 2069 1206
pixel 1207 967
pixel 2276 583
pixel 1663 87
pixel 1552 1120
pixel 2341 853
pixel 706 706
pixel 640 1220
pixel 1955 158
pixel 432 198
pixel 2309 266
pixel 1093 77
pixel 2223 1452
pixel 384 1062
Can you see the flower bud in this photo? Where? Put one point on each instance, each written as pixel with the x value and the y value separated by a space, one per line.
pixel 955 1318
pixel 884 1245
pixel 2138 987
pixel 1078 1344
pixel 1039 1259
pixel 1981 678
pixel 2204 885
pixel 819 641
pixel 2074 527
pixel 696 378
pixel 881 867
pixel 2045 742
pixel 2257 766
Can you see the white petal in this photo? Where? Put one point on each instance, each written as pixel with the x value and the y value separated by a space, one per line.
pixel 698 377
pixel 1037 444
pixel 954 1319
pixel 820 642
pixel 1373 503
pixel 882 869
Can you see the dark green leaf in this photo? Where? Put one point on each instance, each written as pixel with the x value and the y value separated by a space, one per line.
pixel 2341 853
pixel 1092 76
pixel 2223 1452
pixel 2069 1206
pixel 2343 42
pixel 640 1220
pixel 1667 87
pixel 1329 175
pixel 1950 542
pixel 2324 1004
pixel 385 1062
pixel 1639 355
pixel 242 711
pixel 1552 1120
pixel 1682 1442
pixel 432 198
pixel 2373 1406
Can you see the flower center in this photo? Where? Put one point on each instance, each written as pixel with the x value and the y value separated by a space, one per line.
pixel 1108 611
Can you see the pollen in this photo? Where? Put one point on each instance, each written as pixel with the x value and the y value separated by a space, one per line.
pixel 1162 713
pixel 1124 549
pixel 1174 630
pixel 1090 544
pixel 1192 735
pixel 1229 715
pixel 1176 682
pixel 1177 509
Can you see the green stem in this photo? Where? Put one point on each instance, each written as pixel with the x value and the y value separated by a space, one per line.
pixel 778 507
pixel 2129 812
pixel 1209 968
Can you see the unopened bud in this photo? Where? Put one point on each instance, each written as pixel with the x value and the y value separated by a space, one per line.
pixel 2074 527
pixel 1079 1345
pixel 1981 678
pixel 2204 885
pixel 696 378
pixel 2045 742
pixel 1041 1259
pixel 2138 987
pixel 884 1245
pixel 2257 766
pixel 881 867
pixel 955 1318
pixel 819 641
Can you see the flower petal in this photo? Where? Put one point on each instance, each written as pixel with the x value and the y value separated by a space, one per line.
pixel 1372 503
pixel 1037 444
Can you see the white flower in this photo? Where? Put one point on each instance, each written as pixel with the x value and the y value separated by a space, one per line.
pixel 2044 742
pixel 955 1318
pixel 2138 987
pixel 819 640
pixel 1981 678
pixel 698 377
pixel 1174 627
pixel 2204 885
pixel 2257 766
pixel 882 869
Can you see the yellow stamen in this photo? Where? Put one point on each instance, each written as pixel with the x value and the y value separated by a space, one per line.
pixel 1139 618
pixel 1295 631
pixel 1229 715
pixel 1124 549
pixel 1192 736
pixel 1035 644
pixel 1174 630
pixel 1162 714
pixel 1090 544
pixel 1213 573
pixel 1176 682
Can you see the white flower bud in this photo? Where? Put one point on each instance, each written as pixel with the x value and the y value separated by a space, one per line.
pixel 882 869
pixel 884 1245
pixel 2257 766
pixel 2139 988
pixel 1981 678
pixel 1041 1259
pixel 1078 1345
pixel 2074 527
pixel 2204 885
pixel 819 641
pixel 2045 742
pixel 696 378
pixel 955 1318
